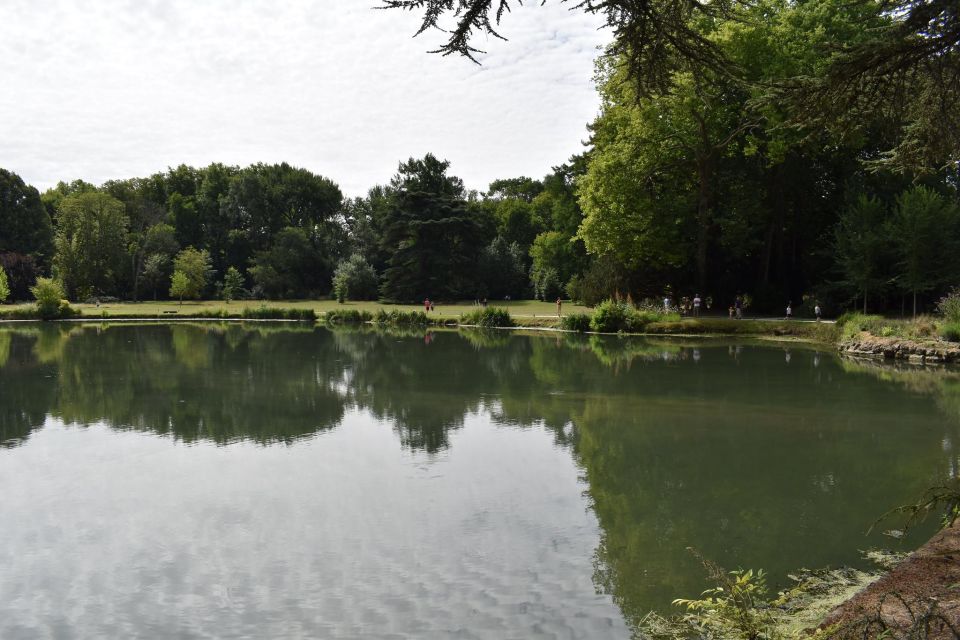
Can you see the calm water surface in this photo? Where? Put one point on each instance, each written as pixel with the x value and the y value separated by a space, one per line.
pixel 263 481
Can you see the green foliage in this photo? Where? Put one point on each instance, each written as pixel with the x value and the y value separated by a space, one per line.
pixel 575 322
pixel 271 198
pixel 50 300
pixel 232 284
pixel 264 312
pixel 737 604
pixel 91 244
pixel 862 247
pixel 488 317
pixel 852 324
pixel 949 306
pixel 546 283
pixel 435 238
pixel 4 286
pixel 923 229
pixel 401 318
pixel 502 270
pixel 348 316
pixel 24 222
pixel 156 271
pixel 291 268
pixel 355 279
pixel 950 331
pixel 554 250
pixel 601 280
pixel 180 287
pixel 196 269
pixel 613 316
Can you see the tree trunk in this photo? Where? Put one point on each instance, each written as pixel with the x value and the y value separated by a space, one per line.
pixel 704 170
pixel 864 302
pixel 914 303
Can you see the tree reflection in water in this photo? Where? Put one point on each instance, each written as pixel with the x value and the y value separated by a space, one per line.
pixel 727 447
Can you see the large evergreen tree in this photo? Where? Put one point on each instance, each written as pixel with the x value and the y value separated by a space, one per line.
pixel 432 235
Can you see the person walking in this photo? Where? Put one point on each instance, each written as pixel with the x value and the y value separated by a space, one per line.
pixel 738 307
pixel 817 311
pixel 696 305
pixel 666 304
pixel 559 305
pixel 789 311
pixel 426 305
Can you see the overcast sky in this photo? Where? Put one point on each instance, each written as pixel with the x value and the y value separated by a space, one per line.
pixel 107 89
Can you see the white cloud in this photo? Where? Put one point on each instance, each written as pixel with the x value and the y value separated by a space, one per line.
pixel 121 88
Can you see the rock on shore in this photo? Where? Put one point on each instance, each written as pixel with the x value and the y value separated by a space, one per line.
pixel 868 346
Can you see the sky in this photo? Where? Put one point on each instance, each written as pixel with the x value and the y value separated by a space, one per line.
pixel 108 89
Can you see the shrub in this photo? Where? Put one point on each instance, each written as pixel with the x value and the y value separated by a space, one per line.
pixel 264 312
pixel 354 316
pixel 22 313
pixel 949 306
pixel 574 289
pixel 4 286
pixel 613 316
pixel 488 317
pixel 852 323
pixel 50 302
pixel 610 316
pixel 575 322
pixel 401 318
pixel 950 332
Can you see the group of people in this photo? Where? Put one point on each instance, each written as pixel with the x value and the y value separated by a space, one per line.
pixel 688 306
pixel 693 306
pixel 736 309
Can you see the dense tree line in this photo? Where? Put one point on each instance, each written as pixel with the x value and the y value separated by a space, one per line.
pixel 717 177
pixel 276 231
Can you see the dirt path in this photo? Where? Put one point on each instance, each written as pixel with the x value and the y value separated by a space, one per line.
pixel 919 598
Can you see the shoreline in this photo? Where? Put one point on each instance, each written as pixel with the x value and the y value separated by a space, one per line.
pixel 865 346
pixel 918 596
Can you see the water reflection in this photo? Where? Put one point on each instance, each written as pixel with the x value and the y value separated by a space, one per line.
pixel 757 456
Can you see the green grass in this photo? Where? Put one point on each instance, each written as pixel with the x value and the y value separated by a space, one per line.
pixel 922 328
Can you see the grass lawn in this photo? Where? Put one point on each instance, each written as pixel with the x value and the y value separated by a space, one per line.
pixel 517 308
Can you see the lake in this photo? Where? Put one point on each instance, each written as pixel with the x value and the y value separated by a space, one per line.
pixel 279 480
